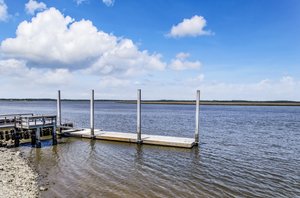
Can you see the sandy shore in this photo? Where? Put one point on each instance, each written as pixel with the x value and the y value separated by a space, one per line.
pixel 17 179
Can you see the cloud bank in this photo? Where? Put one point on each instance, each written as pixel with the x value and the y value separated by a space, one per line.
pixel 53 40
pixel 53 51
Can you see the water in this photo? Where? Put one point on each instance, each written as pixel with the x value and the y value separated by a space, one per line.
pixel 245 151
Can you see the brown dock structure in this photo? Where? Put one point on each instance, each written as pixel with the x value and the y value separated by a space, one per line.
pixel 16 127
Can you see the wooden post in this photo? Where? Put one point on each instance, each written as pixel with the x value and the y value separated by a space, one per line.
pixel 54 138
pixel 139 125
pixel 92 114
pixel 33 140
pixel 197 117
pixel 58 109
pixel 16 134
pixel 17 138
pixel 38 138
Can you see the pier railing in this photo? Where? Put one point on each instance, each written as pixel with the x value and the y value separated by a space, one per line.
pixel 36 121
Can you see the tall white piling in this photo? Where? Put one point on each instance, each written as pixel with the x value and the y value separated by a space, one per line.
pixel 197 117
pixel 58 109
pixel 92 105
pixel 138 119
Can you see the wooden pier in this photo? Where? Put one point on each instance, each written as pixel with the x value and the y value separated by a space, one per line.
pixel 17 127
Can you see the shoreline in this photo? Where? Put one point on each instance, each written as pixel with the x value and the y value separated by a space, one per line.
pixel 219 103
pixel 173 102
pixel 17 178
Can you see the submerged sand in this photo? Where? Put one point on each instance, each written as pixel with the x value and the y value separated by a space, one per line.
pixel 17 179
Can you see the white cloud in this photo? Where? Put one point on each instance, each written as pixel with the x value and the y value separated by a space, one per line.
pixel 190 27
pixel 3 11
pixel 110 81
pixel 18 71
pixel 285 88
pixel 180 62
pixel 108 3
pixel 51 39
pixel 78 2
pixel 33 6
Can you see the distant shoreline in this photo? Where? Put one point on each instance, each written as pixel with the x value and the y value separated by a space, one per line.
pixel 179 102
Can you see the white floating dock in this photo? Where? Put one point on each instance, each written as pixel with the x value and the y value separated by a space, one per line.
pixel 132 138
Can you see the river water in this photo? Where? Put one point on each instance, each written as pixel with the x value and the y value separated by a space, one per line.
pixel 244 151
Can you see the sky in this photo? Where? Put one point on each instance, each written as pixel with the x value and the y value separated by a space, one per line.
pixel 230 50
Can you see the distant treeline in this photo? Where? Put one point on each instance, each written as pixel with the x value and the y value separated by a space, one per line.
pixel 184 102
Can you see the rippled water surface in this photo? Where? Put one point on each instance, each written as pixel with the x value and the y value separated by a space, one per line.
pixel 245 151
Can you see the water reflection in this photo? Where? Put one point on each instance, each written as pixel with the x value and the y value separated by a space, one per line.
pixel 139 154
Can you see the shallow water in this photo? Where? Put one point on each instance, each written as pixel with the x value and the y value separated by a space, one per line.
pixel 244 152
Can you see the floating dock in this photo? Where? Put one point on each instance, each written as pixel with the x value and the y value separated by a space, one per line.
pixel 15 127
pixel 132 138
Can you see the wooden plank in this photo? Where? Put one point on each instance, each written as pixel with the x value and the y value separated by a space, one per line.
pixel 132 138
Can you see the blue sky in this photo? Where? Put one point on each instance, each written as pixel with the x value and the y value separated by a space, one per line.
pixel 231 49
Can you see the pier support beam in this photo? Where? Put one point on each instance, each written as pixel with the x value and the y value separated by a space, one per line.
pixel 92 115
pixel 17 138
pixel 16 134
pixel 38 143
pixel 139 120
pixel 197 117
pixel 33 139
pixel 54 138
pixel 58 123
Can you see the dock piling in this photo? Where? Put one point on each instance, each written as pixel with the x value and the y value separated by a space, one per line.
pixel 92 114
pixel 197 117
pixel 139 125
pixel 38 143
pixel 17 138
pixel 54 138
pixel 58 109
pixel 16 134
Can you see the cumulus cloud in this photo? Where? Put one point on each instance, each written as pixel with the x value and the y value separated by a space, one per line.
pixel 51 39
pixel 3 11
pixel 108 3
pixel 180 62
pixel 190 27
pixel 33 6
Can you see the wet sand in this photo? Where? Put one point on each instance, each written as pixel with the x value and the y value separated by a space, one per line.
pixel 17 179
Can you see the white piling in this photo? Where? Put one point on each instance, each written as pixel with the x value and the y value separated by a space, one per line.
pixel 197 117
pixel 58 109
pixel 92 114
pixel 139 125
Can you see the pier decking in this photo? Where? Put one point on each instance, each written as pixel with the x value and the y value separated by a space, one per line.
pixel 15 127
pixel 132 138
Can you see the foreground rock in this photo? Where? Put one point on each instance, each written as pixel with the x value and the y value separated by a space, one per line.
pixel 17 179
